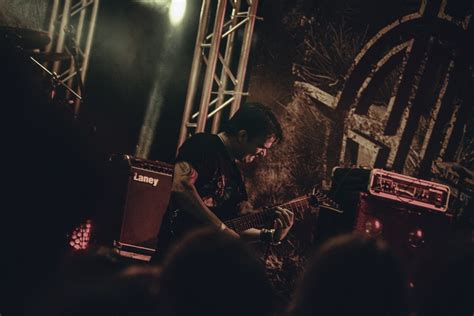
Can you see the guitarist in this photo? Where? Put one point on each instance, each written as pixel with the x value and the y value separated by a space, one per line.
pixel 208 187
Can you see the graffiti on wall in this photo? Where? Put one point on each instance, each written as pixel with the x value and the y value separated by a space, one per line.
pixel 363 84
pixel 397 97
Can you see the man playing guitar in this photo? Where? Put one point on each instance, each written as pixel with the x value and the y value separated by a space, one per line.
pixel 208 187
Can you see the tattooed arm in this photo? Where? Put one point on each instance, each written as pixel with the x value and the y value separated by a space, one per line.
pixel 187 196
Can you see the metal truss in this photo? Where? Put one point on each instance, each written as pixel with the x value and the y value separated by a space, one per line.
pixel 71 23
pixel 223 82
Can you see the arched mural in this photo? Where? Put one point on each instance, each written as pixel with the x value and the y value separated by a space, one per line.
pixel 364 84
pixel 396 94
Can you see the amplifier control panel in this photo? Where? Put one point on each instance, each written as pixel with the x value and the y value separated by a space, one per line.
pixel 409 190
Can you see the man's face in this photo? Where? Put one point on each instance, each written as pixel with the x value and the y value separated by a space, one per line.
pixel 255 147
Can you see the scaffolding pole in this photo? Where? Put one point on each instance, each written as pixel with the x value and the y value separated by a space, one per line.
pixel 78 17
pixel 211 56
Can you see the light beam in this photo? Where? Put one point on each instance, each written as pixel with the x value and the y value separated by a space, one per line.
pixel 176 11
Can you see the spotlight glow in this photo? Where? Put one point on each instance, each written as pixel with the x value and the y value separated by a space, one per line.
pixel 176 11
pixel 154 3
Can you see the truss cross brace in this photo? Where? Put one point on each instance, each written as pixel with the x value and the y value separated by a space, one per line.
pixel 213 55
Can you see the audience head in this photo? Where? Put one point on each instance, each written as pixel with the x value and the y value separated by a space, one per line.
pixel 211 273
pixel 445 278
pixel 100 283
pixel 350 275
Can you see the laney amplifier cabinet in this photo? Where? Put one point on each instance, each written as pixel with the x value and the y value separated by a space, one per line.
pixel 408 190
pixel 136 196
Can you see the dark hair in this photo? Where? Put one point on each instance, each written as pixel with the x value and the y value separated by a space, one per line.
pixel 347 272
pixel 257 119
pixel 214 274
pixel 97 281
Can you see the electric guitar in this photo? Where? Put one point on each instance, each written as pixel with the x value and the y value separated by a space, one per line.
pixel 266 217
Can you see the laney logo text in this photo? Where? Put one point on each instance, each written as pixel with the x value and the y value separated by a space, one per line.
pixel 145 179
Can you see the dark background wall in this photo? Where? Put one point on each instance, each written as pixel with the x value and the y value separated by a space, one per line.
pixel 301 49
pixel 132 41
pixel 128 49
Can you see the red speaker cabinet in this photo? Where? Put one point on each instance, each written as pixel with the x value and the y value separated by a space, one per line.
pixel 412 233
pixel 136 195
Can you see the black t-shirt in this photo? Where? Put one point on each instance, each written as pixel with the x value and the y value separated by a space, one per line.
pixel 219 183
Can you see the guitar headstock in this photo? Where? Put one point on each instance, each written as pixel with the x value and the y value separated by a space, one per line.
pixel 322 201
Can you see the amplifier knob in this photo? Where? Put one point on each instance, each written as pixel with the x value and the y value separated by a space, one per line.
pixel 416 238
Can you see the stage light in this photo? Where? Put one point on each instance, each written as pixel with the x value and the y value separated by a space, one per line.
pixel 176 11
pixel 156 3
pixel 165 64
pixel 80 237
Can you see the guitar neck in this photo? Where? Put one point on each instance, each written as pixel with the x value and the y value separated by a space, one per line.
pixel 265 217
